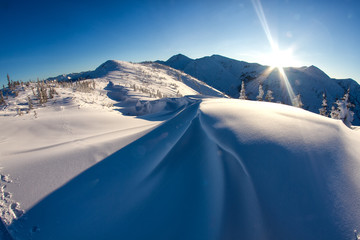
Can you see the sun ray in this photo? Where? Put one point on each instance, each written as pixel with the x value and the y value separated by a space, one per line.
pixel 261 15
pixel 289 89
pixel 278 57
pixel 265 73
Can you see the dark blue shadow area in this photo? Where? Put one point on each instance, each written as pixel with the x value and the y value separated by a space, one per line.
pixel 105 201
pixel 4 234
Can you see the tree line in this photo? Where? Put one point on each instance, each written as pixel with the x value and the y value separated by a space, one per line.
pixel 341 108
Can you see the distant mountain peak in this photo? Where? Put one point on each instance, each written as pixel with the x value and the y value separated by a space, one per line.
pixel 178 61
pixel 315 72
pixel 109 65
pixel 178 57
pixel 217 56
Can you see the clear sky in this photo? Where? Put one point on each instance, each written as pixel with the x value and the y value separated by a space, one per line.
pixel 48 38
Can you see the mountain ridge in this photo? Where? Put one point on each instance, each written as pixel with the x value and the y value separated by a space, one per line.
pixel 226 75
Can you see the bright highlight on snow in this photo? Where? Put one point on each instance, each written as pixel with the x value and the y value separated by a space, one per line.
pixel 144 151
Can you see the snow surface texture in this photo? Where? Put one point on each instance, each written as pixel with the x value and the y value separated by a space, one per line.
pixel 219 169
pixel 45 145
pixel 226 75
pixel 118 163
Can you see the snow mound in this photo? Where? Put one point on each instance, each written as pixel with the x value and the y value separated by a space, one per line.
pixel 217 169
pixel 163 105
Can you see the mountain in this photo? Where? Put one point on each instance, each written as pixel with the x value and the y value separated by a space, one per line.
pixel 135 151
pixel 153 78
pixel 226 75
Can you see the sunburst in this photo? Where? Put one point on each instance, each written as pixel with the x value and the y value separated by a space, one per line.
pixel 277 58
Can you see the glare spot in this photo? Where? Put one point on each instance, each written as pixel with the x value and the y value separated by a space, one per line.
pixel 277 58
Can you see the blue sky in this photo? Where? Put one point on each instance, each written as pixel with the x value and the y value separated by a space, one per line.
pixel 48 38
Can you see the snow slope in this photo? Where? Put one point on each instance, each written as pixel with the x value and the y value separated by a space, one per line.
pixel 219 169
pixel 226 74
pixel 152 78
pixel 45 148
pixel 113 162
pixel 80 126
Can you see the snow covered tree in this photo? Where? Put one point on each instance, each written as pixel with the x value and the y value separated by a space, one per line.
pixel 323 110
pixel 51 95
pixel 9 82
pixel 2 100
pixel 269 97
pixel 343 111
pixel 297 101
pixel 261 93
pixel 242 91
pixel 357 236
pixel 30 103
pixel 334 113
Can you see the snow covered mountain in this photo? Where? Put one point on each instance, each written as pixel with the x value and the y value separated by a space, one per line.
pixel 226 74
pixel 153 78
pixel 135 152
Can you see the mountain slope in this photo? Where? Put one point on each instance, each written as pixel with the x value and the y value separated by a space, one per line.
pixel 226 75
pixel 153 78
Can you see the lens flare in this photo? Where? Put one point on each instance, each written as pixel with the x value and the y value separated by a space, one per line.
pixel 279 58
pixel 289 89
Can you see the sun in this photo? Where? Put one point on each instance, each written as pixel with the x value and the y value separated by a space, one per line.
pixel 280 58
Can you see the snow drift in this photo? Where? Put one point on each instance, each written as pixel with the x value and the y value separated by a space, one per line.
pixel 215 169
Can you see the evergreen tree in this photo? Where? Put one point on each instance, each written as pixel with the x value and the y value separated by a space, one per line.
pixel 357 236
pixel 242 91
pixel 297 101
pixel 9 82
pixel 323 110
pixel 261 93
pixel 334 113
pixel 343 111
pixel 30 103
pixel 269 97
pixel 51 95
pixel 2 100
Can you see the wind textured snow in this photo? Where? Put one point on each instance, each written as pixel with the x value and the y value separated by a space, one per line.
pixel 120 162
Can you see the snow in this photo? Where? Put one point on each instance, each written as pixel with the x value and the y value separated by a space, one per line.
pixel 154 79
pixel 226 75
pixel 115 162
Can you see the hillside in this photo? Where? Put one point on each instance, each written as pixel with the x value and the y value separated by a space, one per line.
pixel 148 77
pixel 127 154
pixel 226 74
